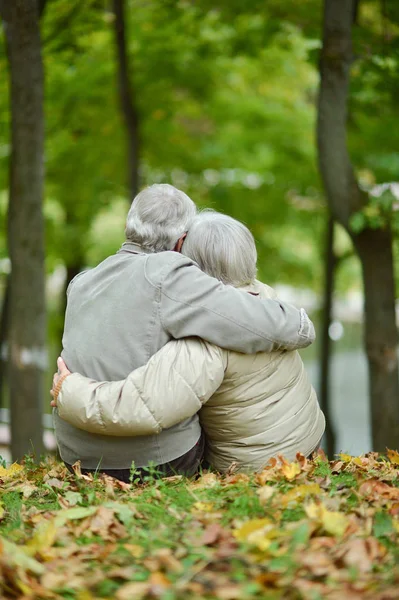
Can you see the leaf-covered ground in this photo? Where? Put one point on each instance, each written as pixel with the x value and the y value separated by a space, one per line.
pixel 309 529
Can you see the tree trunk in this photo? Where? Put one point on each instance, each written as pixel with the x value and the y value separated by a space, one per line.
pixel 325 354
pixel 345 198
pixel 27 354
pixel 3 338
pixel 127 99
pixel 375 251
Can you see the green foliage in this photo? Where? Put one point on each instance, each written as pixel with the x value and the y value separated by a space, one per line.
pixel 383 526
pixel 237 135
pixel 377 214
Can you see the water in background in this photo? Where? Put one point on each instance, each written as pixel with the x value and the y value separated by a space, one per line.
pixel 349 400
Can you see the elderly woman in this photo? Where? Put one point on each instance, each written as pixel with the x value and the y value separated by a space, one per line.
pixel 251 407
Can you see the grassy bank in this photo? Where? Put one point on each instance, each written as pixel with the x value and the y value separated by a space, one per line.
pixel 309 529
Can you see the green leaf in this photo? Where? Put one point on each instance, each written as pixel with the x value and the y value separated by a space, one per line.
pixel 17 557
pixel 77 512
pixel 123 512
pixel 357 222
pixel 73 498
pixel 382 524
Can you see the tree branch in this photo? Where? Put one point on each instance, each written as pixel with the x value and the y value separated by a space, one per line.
pixel 126 94
pixel 63 23
pixel 342 189
pixel 41 5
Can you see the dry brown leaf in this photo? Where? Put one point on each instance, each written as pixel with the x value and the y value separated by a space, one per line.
pixel 229 591
pixel 133 591
pixel 159 582
pixel 361 553
pixel 56 483
pixel 319 563
pixel 208 480
pixel 374 489
pixel 265 494
pixel 211 535
pixel 236 478
pixel 101 522
pixel 168 560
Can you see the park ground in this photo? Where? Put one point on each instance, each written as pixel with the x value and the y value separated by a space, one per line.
pixel 310 529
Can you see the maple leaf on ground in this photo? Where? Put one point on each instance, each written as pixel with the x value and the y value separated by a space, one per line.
pixel 333 522
pixel 362 553
pixel 393 456
pixel 10 472
pixel 374 489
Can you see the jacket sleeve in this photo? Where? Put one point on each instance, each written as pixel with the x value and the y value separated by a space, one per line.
pixel 192 303
pixel 171 387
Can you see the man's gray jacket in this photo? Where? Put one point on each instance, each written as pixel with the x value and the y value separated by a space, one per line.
pixel 128 307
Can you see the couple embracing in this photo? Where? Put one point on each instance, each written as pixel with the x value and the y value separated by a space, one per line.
pixel 174 354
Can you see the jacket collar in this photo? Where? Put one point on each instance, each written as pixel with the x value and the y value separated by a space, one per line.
pixel 252 288
pixel 133 248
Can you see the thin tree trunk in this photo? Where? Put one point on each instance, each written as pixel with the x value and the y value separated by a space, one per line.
pixel 375 251
pixel 127 97
pixel 27 315
pixel 345 198
pixel 41 7
pixel 3 338
pixel 325 354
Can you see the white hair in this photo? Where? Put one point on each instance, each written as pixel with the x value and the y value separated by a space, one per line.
pixel 222 247
pixel 159 215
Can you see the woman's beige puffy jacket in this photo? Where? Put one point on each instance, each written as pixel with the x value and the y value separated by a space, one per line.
pixel 252 407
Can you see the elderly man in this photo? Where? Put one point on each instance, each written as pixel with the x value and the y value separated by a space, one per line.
pixel 128 307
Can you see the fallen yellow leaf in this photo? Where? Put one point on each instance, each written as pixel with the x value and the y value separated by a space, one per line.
pixel 299 493
pixel 43 538
pixel 11 471
pixel 16 557
pixel 85 595
pixel 249 527
pixel 260 540
pixel 334 523
pixel 393 456
pixel 135 550
pixel 345 457
pixel 290 470
pixel 202 507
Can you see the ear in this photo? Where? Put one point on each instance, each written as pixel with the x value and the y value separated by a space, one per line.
pixel 179 243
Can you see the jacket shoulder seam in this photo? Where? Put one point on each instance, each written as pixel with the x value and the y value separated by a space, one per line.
pixel 169 265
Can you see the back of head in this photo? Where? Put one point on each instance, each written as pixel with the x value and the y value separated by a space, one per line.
pixel 222 247
pixel 159 215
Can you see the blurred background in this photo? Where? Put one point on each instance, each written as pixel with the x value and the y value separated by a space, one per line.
pixel 220 99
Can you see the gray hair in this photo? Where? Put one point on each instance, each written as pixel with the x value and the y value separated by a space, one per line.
pixel 222 247
pixel 159 215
